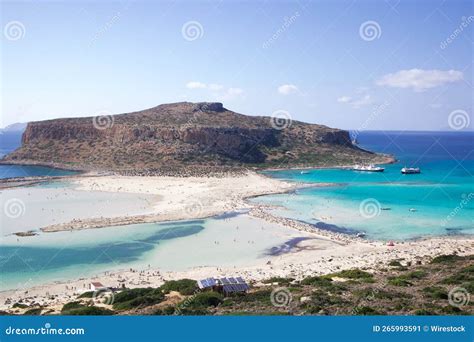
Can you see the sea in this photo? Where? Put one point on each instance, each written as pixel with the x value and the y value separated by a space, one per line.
pixel 390 205
pixel 380 206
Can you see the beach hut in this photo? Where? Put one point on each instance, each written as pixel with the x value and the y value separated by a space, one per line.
pixel 226 286
pixel 96 286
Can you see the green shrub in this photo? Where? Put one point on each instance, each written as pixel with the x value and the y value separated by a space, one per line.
pixel 446 258
pixel 76 308
pixel 71 306
pixel 415 275
pixel 19 306
pixel 325 283
pixel 88 294
pixel 352 274
pixel 365 310
pixel 204 300
pixel 423 312
pixel 141 301
pixel 166 311
pixel 89 311
pixel 33 312
pixel 256 297
pixel 322 298
pixel 279 280
pixel 378 294
pixel 184 286
pixel 129 294
pixel 435 292
pixel 317 281
pixel 452 310
pixel 404 279
pixel 464 275
pixel 398 281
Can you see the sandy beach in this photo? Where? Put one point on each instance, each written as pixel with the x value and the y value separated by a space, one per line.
pixel 177 198
pixel 180 198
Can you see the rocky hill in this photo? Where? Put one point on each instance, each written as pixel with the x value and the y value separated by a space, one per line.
pixel 173 136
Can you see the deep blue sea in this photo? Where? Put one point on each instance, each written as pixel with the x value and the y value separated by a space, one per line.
pixel 390 205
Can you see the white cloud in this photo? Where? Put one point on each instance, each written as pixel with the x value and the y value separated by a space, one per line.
pixel 356 103
pixel 344 99
pixel 287 89
pixel 195 85
pixel 420 80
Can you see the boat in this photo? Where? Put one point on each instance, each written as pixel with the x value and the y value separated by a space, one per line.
pixel 304 172
pixel 410 170
pixel 368 168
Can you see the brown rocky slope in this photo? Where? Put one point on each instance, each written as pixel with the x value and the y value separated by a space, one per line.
pixel 173 136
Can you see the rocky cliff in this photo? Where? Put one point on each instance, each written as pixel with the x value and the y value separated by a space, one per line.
pixel 173 136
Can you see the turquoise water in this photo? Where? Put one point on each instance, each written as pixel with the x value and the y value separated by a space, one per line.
pixel 226 241
pixel 65 255
pixel 439 201
pixel 9 171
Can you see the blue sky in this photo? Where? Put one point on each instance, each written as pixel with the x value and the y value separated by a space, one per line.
pixel 313 59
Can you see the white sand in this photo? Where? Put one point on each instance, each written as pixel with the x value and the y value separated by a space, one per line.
pixel 179 198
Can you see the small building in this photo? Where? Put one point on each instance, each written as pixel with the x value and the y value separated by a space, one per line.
pixel 96 286
pixel 224 285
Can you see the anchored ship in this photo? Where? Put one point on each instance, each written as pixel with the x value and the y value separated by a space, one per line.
pixel 410 170
pixel 368 168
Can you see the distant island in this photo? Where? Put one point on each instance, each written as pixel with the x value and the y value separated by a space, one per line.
pixel 169 137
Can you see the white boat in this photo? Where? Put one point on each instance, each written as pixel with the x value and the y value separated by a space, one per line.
pixel 368 168
pixel 410 170
pixel 304 172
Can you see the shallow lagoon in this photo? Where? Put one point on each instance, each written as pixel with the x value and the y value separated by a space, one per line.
pixel 173 246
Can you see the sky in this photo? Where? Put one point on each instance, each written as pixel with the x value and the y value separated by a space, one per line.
pixel 364 65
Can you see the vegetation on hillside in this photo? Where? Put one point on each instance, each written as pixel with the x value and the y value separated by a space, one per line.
pixel 443 286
